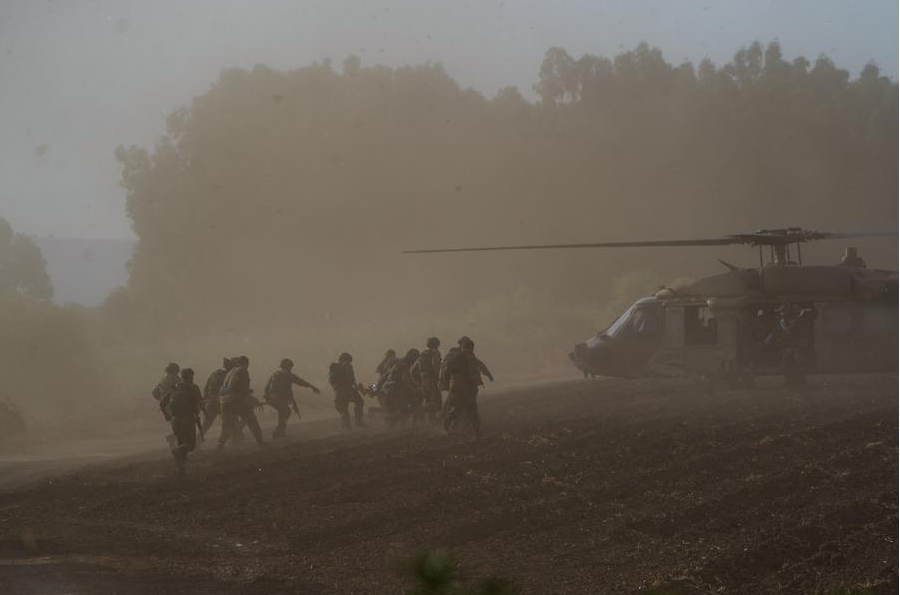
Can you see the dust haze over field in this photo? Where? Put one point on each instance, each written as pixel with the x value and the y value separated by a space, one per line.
pixel 272 210
pixel 272 214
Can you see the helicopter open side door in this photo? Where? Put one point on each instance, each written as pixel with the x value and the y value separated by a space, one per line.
pixel 699 337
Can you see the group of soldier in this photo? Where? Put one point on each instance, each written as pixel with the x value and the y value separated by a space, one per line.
pixel 409 389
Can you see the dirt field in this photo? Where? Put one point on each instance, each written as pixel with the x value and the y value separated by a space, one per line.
pixel 581 487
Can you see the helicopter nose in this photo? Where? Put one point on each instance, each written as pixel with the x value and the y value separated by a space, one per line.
pixel 579 353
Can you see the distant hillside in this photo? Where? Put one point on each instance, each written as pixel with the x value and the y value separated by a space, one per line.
pixel 85 271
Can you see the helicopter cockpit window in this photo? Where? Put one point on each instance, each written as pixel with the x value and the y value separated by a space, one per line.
pixel 616 327
pixel 641 323
pixel 700 327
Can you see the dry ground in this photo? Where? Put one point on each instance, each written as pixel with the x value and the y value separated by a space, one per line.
pixel 580 487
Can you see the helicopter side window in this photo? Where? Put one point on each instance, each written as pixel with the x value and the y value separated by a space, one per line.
pixel 700 327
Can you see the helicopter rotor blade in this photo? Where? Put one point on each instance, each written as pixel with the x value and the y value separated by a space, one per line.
pixel 827 235
pixel 658 243
pixel 761 238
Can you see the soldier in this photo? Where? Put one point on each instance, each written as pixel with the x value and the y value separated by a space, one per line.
pixel 342 379
pixel 211 390
pixel 390 358
pixel 482 369
pixel 791 336
pixel 402 395
pixel 852 259
pixel 444 375
pixel 169 382
pixel 428 369
pixel 184 404
pixel 279 394
pixel 237 403
pixel 464 373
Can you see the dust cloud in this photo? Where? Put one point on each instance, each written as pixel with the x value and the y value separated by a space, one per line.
pixel 272 212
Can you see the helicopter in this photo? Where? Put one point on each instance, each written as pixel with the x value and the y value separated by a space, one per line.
pixel 782 318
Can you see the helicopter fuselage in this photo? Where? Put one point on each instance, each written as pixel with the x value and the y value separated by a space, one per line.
pixel 727 325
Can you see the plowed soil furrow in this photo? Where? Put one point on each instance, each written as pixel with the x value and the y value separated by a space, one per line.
pixel 581 487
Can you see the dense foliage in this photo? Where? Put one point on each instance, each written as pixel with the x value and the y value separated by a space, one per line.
pixel 23 271
pixel 284 198
pixel 47 361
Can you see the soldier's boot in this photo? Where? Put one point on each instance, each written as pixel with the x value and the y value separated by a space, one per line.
pixel 449 422
pixel 358 415
pixel 180 459
pixel 208 422
pixel 345 421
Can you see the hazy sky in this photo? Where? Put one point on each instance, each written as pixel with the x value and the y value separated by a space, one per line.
pixel 78 78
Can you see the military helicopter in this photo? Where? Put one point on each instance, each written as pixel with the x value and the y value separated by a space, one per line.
pixel 781 318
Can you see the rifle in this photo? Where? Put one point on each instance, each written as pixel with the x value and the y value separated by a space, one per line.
pixel 199 428
pixel 256 403
pixel 369 391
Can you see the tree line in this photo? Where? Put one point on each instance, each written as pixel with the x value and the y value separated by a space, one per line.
pixel 279 194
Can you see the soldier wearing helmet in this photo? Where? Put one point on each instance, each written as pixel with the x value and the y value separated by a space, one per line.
pixel 482 368
pixel 465 375
pixel 211 407
pixel 237 402
pixel 402 395
pixel 342 379
pixel 390 358
pixel 279 394
pixel 184 405
pixel 170 382
pixel 427 371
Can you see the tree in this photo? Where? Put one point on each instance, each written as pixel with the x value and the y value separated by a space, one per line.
pixel 558 78
pixel 23 270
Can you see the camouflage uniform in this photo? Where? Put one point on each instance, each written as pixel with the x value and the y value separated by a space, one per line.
pixel 792 334
pixel 237 404
pixel 279 394
pixel 390 358
pixel 211 406
pixel 184 404
pixel 342 379
pixel 444 375
pixel 402 396
pixel 482 370
pixel 164 388
pixel 462 402
pixel 428 370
